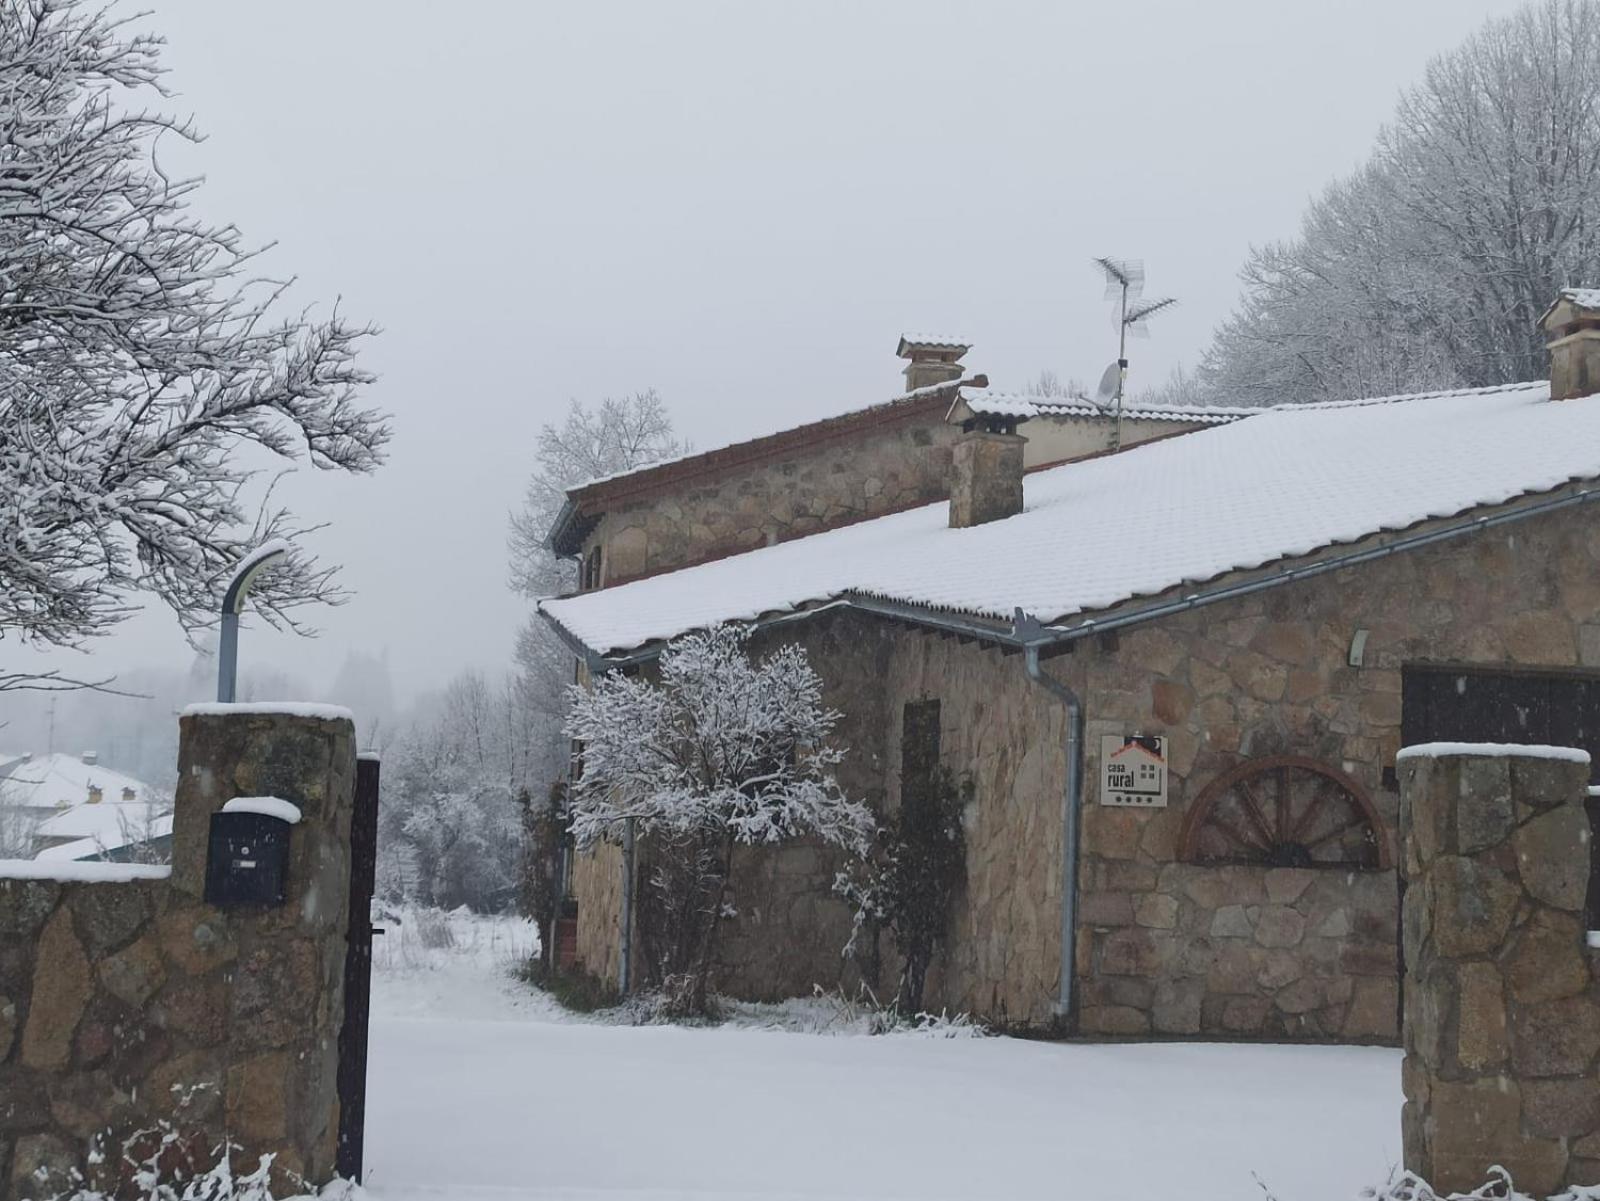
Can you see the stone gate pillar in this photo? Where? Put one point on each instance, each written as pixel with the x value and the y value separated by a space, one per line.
pixel 283 981
pixel 1502 1024
pixel 141 1025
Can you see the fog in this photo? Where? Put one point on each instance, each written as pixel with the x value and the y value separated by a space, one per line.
pixel 740 205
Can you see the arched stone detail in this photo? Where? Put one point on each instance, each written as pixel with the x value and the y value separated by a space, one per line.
pixel 1285 811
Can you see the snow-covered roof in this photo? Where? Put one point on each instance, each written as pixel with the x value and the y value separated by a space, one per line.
pixel 141 827
pixel 56 781
pixel 1096 533
pixel 933 342
pixel 986 402
pixel 112 824
pixel 1587 298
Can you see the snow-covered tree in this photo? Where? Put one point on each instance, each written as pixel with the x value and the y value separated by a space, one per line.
pixel 451 810
pixel 722 751
pixel 138 355
pixel 615 436
pixel 1431 264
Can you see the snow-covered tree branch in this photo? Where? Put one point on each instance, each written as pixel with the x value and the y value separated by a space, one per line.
pixel 139 355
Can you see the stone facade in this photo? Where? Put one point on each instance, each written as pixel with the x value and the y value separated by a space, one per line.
pixel 893 466
pixel 1167 947
pixel 133 1011
pixel 1502 1030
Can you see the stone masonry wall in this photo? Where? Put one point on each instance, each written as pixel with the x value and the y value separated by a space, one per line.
pixel 1502 1028
pixel 597 883
pixel 1166 947
pixel 130 1011
pixel 813 488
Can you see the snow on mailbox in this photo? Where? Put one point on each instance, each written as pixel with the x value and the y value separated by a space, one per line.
pixel 1133 770
pixel 247 862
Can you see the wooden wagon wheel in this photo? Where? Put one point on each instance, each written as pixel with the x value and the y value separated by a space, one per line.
pixel 1284 811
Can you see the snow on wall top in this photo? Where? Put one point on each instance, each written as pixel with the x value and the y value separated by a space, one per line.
pixel 84 872
pixel 1437 750
pixel 1095 533
pixel 276 708
pixel 1011 404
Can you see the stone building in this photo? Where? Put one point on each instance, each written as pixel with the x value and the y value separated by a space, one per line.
pixel 1257 613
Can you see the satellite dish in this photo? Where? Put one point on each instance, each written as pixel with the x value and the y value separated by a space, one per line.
pixel 1106 392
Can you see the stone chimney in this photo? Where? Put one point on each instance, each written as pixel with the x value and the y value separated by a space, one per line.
pixel 986 475
pixel 931 359
pixel 1572 325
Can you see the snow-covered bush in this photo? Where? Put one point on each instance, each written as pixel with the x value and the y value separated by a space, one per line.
pixel 1408 1186
pixel 723 752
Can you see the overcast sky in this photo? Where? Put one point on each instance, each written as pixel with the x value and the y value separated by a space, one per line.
pixel 739 204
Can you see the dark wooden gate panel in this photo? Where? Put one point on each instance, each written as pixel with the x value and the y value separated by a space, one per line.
pixel 1472 704
pixel 358 972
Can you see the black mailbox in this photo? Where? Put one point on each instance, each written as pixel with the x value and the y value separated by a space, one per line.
pixel 247 863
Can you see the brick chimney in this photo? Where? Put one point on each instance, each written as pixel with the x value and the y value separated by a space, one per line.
pixel 1572 325
pixel 986 474
pixel 931 359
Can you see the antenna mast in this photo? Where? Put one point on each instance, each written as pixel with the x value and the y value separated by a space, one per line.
pixel 1125 285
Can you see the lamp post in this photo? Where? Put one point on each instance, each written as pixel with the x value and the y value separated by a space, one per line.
pixel 244 575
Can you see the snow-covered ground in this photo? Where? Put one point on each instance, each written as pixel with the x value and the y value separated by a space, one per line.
pixel 481 1090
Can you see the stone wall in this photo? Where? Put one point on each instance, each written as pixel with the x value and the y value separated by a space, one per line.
pixel 132 1011
pixel 894 466
pixel 1502 1026
pixel 597 883
pixel 1166 947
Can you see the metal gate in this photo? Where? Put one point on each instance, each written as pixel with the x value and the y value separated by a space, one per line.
pixel 358 971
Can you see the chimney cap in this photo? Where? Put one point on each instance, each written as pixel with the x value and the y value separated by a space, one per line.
pixel 911 344
pixel 1570 306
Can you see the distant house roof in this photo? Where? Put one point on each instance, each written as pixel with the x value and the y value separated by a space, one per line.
pixel 985 402
pixel 57 781
pixel 138 828
pixel 1094 534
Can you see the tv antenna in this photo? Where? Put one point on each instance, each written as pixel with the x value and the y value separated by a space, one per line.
pixel 1125 284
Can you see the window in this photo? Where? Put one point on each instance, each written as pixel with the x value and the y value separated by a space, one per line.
pixel 589 574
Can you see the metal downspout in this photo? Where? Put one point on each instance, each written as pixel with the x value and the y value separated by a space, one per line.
pixel 625 969
pixel 1071 808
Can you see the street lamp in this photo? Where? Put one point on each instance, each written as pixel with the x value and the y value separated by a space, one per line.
pixel 233 600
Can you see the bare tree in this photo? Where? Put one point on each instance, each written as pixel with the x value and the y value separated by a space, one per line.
pixel 614 437
pixel 138 355
pixel 1430 266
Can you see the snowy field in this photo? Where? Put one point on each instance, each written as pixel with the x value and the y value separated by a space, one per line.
pixel 484 1091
